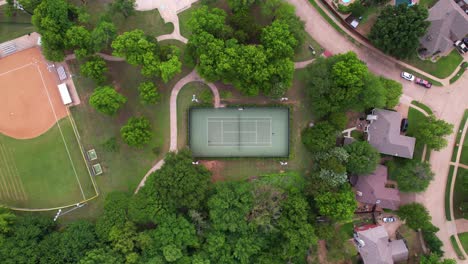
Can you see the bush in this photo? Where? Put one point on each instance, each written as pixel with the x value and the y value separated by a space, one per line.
pixel 357 9
pixel 338 120
pixel 206 97
pixel 320 137
pixel 111 145
pixel 343 9
pixel 148 93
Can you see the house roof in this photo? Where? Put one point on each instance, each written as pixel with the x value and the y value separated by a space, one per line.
pixel 373 189
pixel 384 134
pixel 378 249
pixel 448 23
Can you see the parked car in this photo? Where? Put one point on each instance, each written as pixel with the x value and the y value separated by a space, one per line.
pixel 404 125
pixel 389 219
pixel 461 46
pixel 407 76
pixel 465 40
pixel 423 82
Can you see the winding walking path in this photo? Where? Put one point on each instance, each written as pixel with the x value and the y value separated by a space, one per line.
pixel 191 77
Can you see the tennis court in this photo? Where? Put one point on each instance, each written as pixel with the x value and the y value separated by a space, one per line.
pixel 239 132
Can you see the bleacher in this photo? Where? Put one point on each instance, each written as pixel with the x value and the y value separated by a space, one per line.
pixel 7 48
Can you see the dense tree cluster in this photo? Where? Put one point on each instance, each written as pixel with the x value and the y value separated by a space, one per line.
pixel 432 132
pixel 239 53
pixel 398 29
pixel 343 82
pixel 414 176
pixel 179 216
pixel 363 158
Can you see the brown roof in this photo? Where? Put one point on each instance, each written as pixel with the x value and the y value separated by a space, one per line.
pixel 373 189
pixel 384 134
pixel 448 23
pixel 377 248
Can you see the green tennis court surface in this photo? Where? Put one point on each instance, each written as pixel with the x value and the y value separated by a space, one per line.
pixel 239 132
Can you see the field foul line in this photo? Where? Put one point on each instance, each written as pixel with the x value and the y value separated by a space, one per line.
pixel 9 177
pixel 19 68
pixel 61 133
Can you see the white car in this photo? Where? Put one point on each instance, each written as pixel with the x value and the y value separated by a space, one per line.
pixel 407 76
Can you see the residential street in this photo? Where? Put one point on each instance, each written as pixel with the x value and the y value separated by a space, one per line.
pixel 448 103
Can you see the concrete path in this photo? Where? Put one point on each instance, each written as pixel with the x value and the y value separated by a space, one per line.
pixel 191 77
pixel 303 64
pixel 447 103
pixel 168 11
pixel 3 2
pixel 462 226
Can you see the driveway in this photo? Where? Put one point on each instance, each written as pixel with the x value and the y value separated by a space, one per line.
pixel 447 102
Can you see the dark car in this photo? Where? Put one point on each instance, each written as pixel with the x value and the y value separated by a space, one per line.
pixel 423 82
pixel 404 125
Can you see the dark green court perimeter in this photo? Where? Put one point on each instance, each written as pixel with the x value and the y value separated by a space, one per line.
pixel 239 132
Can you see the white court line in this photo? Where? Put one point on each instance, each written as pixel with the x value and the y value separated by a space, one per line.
pixel 61 133
pixel 19 68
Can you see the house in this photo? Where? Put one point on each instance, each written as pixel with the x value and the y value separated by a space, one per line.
pixel 383 132
pixel 370 189
pixel 448 24
pixel 375 247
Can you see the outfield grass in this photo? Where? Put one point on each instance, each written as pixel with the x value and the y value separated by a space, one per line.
pixel 447 193
pixel 44 169
pixel 459 194
pixel 14 26
pixel 184 102
pixel 464 240
pixel 442 68
pixel 456 248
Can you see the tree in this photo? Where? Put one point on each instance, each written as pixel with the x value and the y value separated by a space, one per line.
pixel 179 184
pixel 51 19
pixel 320 137
pixel 107 100
pixel 95 68
pixel 414 176
pixel 6 221
pixel 237 5
pixel 126 7
pixel 79 39
pixel 415 216
pixel 137 132
pixel 432 132
pixel 363 158
pixel 357 8
pixel 103 35
pixel 101 256
pixel 339 205
pixel 330 166
pixel 148 93
pixel 398 29
pixel 338 119
pixel 393 91
pixel 278 40
pixel 133 46
pixel 170 67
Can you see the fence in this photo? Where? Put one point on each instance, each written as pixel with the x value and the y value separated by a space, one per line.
pixel 25 42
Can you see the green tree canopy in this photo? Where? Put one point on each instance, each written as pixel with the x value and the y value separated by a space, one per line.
pixel 126 7
pixel 414 176
pixel 393 91
pixel 148 92
pixel 78 38
pixel 432 132
pixel 95 68
pixel 137 132
pixel 415 216
pixel 363 158
pixel 133 46
pixel 338 205
pixel 331 166
pixel 103 35
pixel 435 259
pixel 398 29
pixel 107 100
pixel 320 137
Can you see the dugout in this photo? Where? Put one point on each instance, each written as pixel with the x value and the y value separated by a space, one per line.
pixel 64 94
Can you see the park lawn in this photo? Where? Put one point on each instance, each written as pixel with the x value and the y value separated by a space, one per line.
pixel 150 22
pixel 447 193
pixel 464 240
pixel 14 26
pixel 459 194
pixel 442 68
pixel 45 169
pixel 124 169
pixel 456 248
pixel 184 102
pixel 464 154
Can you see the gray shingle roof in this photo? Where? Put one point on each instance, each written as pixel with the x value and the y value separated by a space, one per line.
pixel 372 187
pixel 378 249
pixel 384 134
pixel 448 23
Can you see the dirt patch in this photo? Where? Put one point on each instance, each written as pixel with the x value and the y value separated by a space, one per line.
pixel 322 252
pixel 216 167
pixel 30 103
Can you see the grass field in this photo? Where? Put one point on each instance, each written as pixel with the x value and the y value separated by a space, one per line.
pixel 414 119
pixel 442 68
pixel 184 102
pixel 456 248
pixel 14 26
pixel 41 173
pixel 447 193
pixel 464 155
pixel 464 240
pixel 459 194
